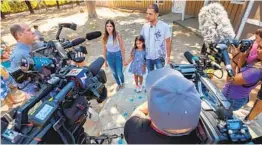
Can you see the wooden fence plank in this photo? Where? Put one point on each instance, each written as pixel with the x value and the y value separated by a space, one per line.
pixel 187 7
pixel 197 8
pixel 239 15
pixel 229 10
pixel 226 4
pixel 222 2
pixel 190 8
pixel 233 13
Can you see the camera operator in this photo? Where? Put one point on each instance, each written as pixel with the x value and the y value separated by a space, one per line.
pixel 251 54
pixel 171 113
pixel 238 88
pixel 25 38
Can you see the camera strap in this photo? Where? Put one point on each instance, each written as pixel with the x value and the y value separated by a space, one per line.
pixel 63 132
pixel 57 125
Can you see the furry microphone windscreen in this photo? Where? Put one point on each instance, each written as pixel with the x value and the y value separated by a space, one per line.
pixel 214 24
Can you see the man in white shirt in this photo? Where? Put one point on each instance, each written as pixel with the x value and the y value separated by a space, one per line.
pixel 157 37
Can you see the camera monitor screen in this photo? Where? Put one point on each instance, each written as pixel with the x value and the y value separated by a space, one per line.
pixel 234 125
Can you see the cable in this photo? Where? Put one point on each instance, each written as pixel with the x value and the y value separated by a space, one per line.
pixel 70 134
pixel 216 75
pixel 229 97
pixel 112 129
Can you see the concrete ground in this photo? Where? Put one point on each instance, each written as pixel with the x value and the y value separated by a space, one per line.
pixel 120 106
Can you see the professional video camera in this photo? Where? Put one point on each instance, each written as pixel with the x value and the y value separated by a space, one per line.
pixel 63 109
pixel 219 50
pixel 217 122
pixel 58 49
pixel 51 57
pixel 245 44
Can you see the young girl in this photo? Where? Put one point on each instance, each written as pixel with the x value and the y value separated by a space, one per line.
pixel 10 95
pixel 138 65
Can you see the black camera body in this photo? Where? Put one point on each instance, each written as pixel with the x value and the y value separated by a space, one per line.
pixel 212 130
pixel 245 44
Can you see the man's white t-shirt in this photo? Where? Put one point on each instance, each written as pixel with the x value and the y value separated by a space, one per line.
pixel 155 37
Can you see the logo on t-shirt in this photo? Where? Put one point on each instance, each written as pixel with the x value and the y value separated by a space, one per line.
pixel 158 35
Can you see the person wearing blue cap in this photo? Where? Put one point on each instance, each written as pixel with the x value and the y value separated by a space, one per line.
pixel 170 114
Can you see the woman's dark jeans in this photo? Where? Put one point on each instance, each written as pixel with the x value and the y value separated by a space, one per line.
pixel 114 60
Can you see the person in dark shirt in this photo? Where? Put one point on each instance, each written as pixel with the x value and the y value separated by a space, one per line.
pixel 171 114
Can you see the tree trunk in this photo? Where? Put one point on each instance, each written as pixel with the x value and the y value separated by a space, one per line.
pixel 91 8
pixel 78 2
pixel 29 6
pixel 2 15
pixel 57 4
pixel 45 5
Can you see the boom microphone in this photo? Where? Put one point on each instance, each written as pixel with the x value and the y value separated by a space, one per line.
pixel 68 25
pixel 214 24
pixel 93 35
pixel 75 42
pixel 96 65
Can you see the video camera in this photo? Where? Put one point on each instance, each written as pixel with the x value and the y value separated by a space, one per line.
pixel 63 109
pixel 217 123
pixel 219 50
pixel 245 44
pixel 58 49
pixel 51 57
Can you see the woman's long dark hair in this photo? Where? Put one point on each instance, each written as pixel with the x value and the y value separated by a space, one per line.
pixel 106 34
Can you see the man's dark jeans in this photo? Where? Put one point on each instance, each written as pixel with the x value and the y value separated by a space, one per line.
pixel 152 63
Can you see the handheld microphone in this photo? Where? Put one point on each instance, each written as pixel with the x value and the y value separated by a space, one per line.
pixel 191 58
pixel 222 48
pixel 96 65
pixel 93 35
pixel 75 42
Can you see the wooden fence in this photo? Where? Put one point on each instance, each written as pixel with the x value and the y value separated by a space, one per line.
pixel 141 5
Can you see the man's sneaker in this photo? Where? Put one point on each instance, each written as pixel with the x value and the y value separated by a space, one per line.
pixel 122 85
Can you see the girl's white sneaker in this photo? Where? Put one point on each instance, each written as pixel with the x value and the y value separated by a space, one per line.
pixel 137 89
pixel 140 88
